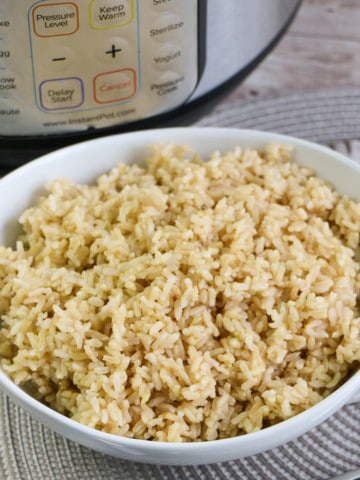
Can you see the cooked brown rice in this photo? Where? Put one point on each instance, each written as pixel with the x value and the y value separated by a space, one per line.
pixel 188 300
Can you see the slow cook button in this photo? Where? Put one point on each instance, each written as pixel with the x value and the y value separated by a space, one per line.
pixel 61 93
pixel 55 19
pixel 106 14
pixel 115 86
pixel 8 84
pixel 168 56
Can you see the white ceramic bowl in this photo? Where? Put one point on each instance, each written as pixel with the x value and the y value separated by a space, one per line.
pixel 83 163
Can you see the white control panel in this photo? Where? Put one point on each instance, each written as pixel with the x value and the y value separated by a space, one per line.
pixel 69 66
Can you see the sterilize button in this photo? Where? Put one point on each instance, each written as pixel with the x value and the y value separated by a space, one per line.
pixel 167 27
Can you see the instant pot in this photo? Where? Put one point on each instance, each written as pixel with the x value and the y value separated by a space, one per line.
pixel 73 70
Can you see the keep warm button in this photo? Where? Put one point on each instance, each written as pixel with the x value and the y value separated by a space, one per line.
pixel 61 93
pixel 106 14
pixel 115 86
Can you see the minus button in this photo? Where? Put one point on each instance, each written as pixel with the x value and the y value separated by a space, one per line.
pixel 58 59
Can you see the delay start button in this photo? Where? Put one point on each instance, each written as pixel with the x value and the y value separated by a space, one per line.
pixel 61 93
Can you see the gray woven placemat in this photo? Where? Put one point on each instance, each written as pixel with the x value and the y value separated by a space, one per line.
pixel 29 451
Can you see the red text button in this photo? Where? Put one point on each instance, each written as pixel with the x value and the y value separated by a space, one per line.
pixel 115 86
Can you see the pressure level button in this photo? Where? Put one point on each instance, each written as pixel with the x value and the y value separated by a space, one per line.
pixel 55 19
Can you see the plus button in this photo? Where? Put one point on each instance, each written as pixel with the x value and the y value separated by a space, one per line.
pixel 113 51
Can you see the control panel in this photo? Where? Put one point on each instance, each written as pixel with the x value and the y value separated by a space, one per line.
pixel 73 65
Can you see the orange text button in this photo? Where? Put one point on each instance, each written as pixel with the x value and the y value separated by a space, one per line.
pixel 115 86
pixel 55 19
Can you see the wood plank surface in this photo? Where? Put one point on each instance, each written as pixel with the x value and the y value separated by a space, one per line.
pixel 321 49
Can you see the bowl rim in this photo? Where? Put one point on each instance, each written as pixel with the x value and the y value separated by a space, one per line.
pixel 266 136
pixel 318 413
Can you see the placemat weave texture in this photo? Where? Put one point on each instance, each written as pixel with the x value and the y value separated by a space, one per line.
pixel 29 451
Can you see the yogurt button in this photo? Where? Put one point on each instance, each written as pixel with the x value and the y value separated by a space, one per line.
pixel 168 56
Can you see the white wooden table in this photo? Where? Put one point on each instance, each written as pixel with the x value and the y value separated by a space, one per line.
pixel 320 49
